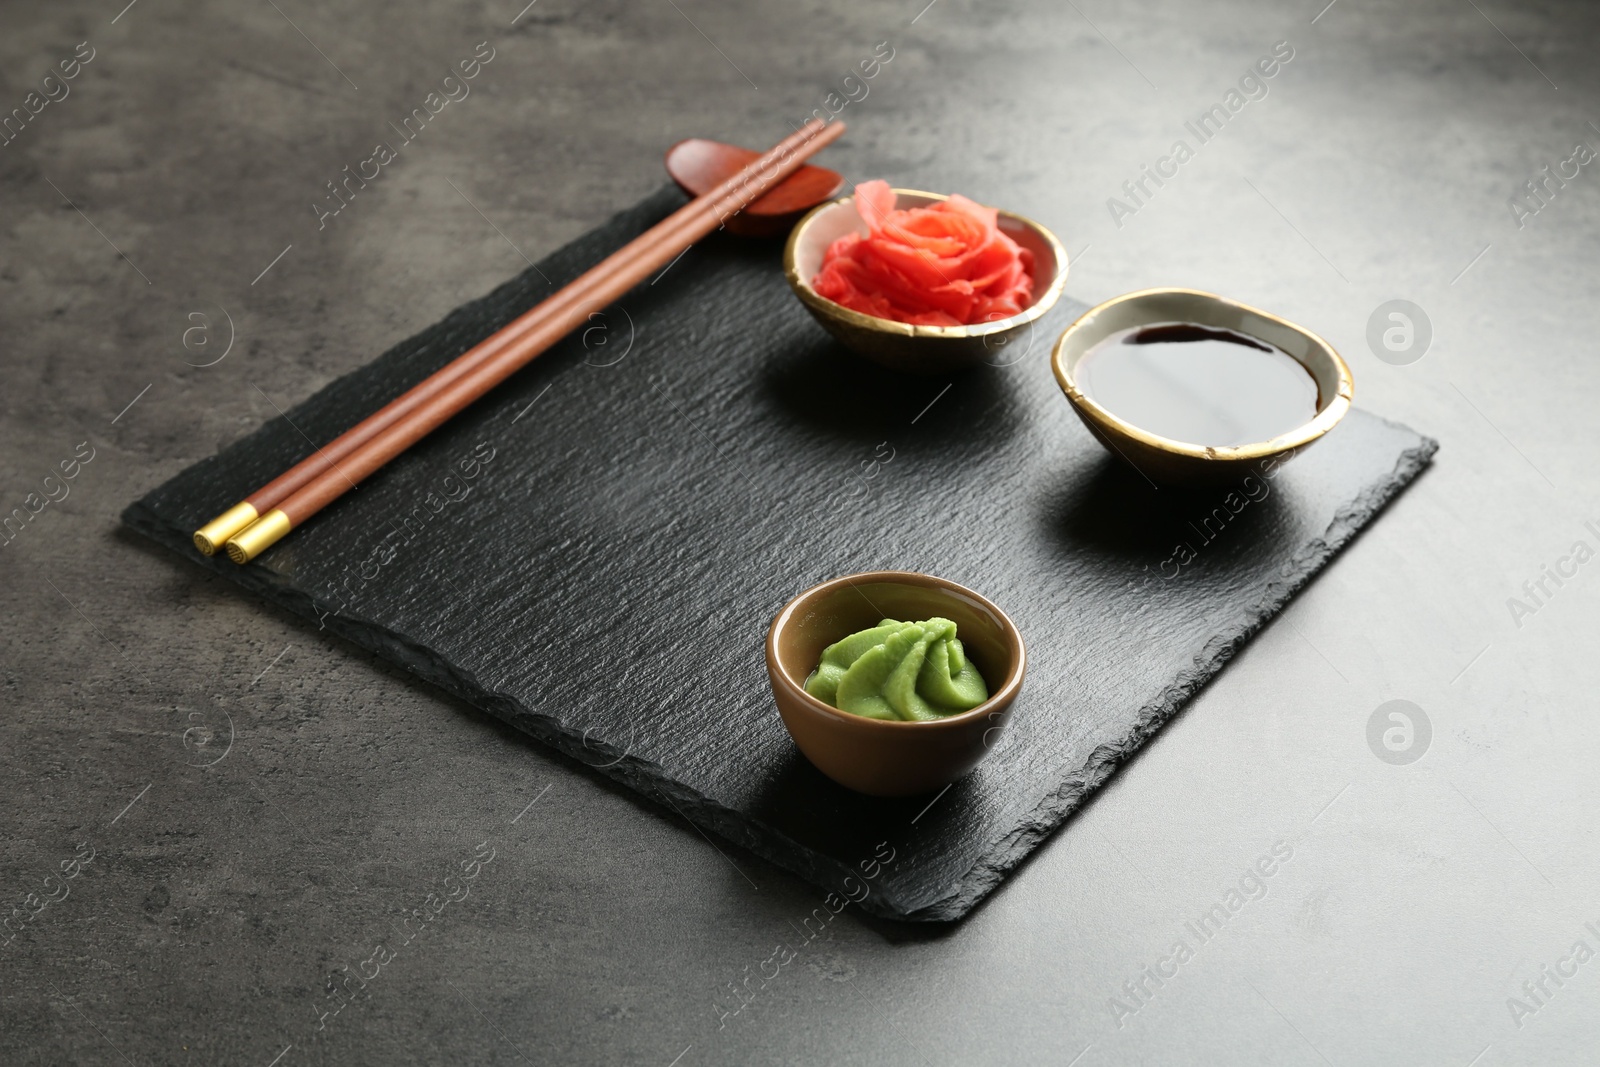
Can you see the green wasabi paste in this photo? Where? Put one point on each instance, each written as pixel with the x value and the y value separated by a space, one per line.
pixel 910 671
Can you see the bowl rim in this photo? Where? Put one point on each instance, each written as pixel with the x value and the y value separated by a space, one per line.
pixel 1041 304
pixel 998 698
pixel 1299 437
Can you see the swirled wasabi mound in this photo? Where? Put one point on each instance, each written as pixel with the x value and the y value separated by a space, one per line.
pixel 906 671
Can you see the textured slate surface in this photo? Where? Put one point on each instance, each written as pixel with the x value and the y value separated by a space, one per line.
pixel 593 554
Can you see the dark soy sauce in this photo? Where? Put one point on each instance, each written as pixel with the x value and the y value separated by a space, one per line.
pixel 1199 384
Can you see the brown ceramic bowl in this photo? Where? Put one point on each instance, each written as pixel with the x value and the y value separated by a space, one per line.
pixel 919 349
pixel 891 759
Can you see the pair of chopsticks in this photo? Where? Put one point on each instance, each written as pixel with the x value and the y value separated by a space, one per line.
pixel 245 530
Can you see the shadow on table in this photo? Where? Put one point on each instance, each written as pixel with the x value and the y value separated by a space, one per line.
pixel 826 387
pixel 1107 508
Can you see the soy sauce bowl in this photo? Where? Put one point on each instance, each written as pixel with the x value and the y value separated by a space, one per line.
pixel 1168 462
pixel 919 349
pixel 875 756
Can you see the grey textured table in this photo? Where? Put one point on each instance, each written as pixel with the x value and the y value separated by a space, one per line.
pixel 263 806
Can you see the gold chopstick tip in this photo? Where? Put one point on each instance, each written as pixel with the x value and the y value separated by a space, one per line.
pixel 256 538
pixel 210 537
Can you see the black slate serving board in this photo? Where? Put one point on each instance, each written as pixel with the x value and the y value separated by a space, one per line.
pixel 593 554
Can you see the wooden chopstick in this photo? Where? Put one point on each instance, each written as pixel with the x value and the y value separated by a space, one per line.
pixel 211 537
pixel 293 497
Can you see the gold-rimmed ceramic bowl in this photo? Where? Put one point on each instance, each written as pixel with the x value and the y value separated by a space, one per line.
pixel 875 756
pixel 920 349
pixel 1170 462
